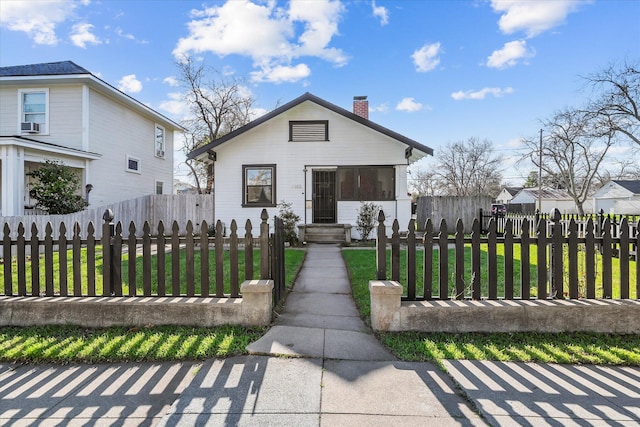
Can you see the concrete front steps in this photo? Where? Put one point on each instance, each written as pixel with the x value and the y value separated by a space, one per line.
pixel 325 233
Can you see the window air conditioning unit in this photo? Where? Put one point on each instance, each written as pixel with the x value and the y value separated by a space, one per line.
pixel 160 153
pixel 30 127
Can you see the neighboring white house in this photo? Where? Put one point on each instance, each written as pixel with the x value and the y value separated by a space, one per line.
pixel 60 111
pixel 320 158
pixel 550 199
pixel 619 197
pixel 507 194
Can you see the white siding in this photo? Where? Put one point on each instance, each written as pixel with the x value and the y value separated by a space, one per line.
pixel 116 131
pixel 349 144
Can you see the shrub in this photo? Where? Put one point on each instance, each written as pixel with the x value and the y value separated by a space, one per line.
pixel 290 220
pixel 367 217
pixel 57 188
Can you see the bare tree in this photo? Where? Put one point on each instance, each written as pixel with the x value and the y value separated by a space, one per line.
pixel 618 99
pixel 468 168
pixel 218 105
pixel 573 149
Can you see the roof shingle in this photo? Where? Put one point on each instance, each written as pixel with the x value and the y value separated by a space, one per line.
pixel 44 69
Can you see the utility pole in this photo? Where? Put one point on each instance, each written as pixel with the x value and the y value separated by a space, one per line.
pixel 540 176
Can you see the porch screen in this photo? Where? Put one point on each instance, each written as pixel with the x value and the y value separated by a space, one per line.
pixel 366 183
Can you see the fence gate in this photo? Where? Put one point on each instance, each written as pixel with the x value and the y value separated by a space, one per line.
pixel 277 261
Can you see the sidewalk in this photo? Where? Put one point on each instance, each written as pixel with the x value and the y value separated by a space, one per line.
pixel 337 374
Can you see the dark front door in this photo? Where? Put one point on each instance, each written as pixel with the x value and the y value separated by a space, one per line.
pixel 324 196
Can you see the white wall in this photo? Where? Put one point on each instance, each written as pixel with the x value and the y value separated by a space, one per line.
pixel 349 144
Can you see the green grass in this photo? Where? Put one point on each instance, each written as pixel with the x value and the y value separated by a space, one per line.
pixel 523 347
pixel 64 344
pixel 575 348
pixel 293 261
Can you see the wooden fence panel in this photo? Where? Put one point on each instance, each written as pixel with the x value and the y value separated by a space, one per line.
pixel 623 257
pixel 492 260
pixel 77 261
pixel 459 260
pixel 476 260
pixel 116 255
pixel 525 261
pixel 607 254
pixel 189 260
pixel 427 268
pixel 233 261
pixel 161 258
pixel 91 260
pixel 443 257
pixel 62 258
pixel 411 260
pixel 22 276
pixel 248 251
pixel 146 258
pixel 590 259
pixel 35 262
pixel 204 259
pixel 541 238
pixel 508 260
pixel 132 248
pixel 48 260
pixel 219 257
pixel 395 251
pixel 175 260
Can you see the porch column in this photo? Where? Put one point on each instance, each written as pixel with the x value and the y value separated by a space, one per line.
pixel 403 200
pixel 13 180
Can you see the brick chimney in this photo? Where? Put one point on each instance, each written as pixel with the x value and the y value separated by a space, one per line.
pixel 361 106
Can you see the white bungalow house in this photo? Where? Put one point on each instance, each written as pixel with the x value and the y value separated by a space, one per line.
pixel 618 197
pixel 60 111
pixel 320 158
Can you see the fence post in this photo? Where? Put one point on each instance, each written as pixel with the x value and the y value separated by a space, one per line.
pixel 264 245
pixel 381 248
pixel 557 265
pixel 107 253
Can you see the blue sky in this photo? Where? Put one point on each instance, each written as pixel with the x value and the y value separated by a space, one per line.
pixel 435 71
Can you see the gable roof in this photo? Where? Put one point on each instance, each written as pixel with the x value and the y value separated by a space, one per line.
pixel 512 190
pixel 68 71
pixel 546 193
pixel 309 97
pixel 45 69
pixel 630 185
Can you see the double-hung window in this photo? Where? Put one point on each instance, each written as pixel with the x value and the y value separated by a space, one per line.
pixel 34 109
pixel 259 185
pixel 160 141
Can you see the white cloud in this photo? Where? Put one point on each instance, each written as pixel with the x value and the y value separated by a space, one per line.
pixel 81 35
pixel 380 12
pixel 409 104
pixel 272 36
pixel 510 54
pixel 481 94
pixel 380 108
pixel 426 58
pixel 171 81
pixel 533 17
pixel 37 20
pixel 281 73
pixel 176 105
pixel 130 84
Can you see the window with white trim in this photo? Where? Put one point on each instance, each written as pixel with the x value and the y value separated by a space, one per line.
pixel 259 185
pixel 34 110
pixel 159 141
pixel 133 164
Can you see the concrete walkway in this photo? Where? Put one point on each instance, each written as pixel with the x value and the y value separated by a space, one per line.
pixel 337 375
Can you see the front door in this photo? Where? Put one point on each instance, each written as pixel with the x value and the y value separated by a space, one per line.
pixel 324 196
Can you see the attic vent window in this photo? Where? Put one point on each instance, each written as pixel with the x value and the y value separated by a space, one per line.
pixel 316 130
